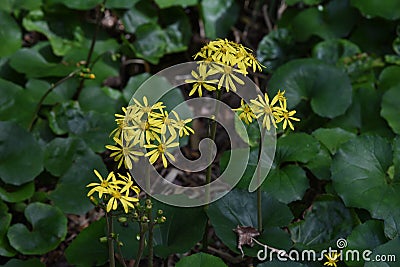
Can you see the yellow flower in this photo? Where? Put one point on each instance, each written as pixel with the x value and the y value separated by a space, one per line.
pixel 201 80
pixel 261 108
pixel 125 152
pixel 246 113
pixel 143 131
pixel 181 126
pixel 286 116
pixel 104 185
pixel 333 258
pixel 165 122
pixel 128 184
pixel 145 108
pixel 227 76
pixel 279 97
pixel 124 199
pixel 161 150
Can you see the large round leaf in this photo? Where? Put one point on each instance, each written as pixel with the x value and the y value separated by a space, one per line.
pixel 390 108
pixel 326 221
pixel 150 43
pixel 10 35
pixel 49 227
pixel 239 208
pixel 332 138
pixel 388 251
pixel 15 194
pixel 359 175
pixel 316 81
pixel 201 260
pixel 388 9
pixel 21 158
pixel 332 50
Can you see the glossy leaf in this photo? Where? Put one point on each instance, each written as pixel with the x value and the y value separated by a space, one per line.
pixel 21 263
pixel 299 147
pixel 70 193
pixel 169 3
pixel 315 81
pixel 15 194
pixel 238 208
pixel 332 50
pixel 177 29
pixel 49 227
pixel 95 252
pixel 182 230
pixel 390 108
pixel 10 35
pixel 332 138
pixel 368 235
pixel 150 43
pixel 389 9
pixel 143 12
pixel 326 221
pixel 201 260
pixel 218 17
pixel 359 175
pixel 389 78
pixel 21 157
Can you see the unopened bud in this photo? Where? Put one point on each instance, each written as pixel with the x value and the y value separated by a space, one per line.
pixel 122 219
pixel 103 239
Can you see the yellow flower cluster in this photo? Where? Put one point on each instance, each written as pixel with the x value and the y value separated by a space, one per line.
pixel 145 126
pixel 222 59
pixel 115 190
pixel 270 113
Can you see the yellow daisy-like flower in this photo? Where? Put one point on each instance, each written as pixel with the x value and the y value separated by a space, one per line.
pixel 118 197
pixel 245 112
pixel 128 184
pixel 161 150
pixel 286 116
pixel 125 152
pixel 104 185
pixel 261 108
pixel 279 97
pixel 333 258
pixel 201 80
pixel 181 126
pixel 228 76
pixel 145 108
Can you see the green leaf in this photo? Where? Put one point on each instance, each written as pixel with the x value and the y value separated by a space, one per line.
pixel 334 20
pixel 239 207
pixel 389 251
pixel 133 84
pixel 389 9
pixel 275 49
pixel 286 184
pixel 201 260
pixel 316 81
pixel 332 50
pixel 20 263
pixel 169 3
pixel 95 99
pixel 389 78
pixel 359 175
pixel 5 249
pixel 299 147
pixel 37 88
pixel 332 138
pixel 365 236
pixel 218 17
pixel 182 230
pixel 143 12
pixel 150 43
pixel 21 157
pixel 33 64
pixel 326 221
pixel 13 5
pixel 76 4
pixel 10 35
pixel 70 193
pixel 95 252
pixel 126 4
pixel 177 29
pixel 320 165
pixel 250 133
pixel 390 108
pixel 307 2
pixel 54 29
pixel 277 263
pixel 49 227
pixel 14 194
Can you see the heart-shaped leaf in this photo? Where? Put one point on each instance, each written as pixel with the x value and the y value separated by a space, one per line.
pixel 49 227
pixel 21 157
pixel 201 260
pixel 359 175
pixel 315 81
pixel 332 138
pixel 239 208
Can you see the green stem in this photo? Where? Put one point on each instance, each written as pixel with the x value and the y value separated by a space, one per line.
pixel 121 255
pixel 91 49
pixel 150 241
pixel 110 240
pixel 141 245
pixel 259 196
pixel 40 103
pixel 212 133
